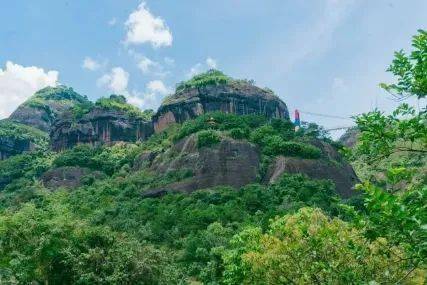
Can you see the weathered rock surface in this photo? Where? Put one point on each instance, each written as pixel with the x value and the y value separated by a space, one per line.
pixel 238 97
pixel 67 177
pixel 10 146
pixel 230 162
pixel 97 127
pixel 41 110
pixel 349 138
pixel 332 167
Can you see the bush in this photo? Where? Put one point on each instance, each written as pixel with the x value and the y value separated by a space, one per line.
pixel 310 248
pixel 260 134
pixel 239 133
pixel 207 138
pixel 276 145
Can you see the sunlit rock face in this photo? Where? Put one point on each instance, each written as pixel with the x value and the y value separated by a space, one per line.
pixel 239 98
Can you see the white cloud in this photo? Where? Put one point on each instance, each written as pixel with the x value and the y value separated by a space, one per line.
pixel 17 83
pixel 90 64
pixel 157 86
pixel 195 69
pixel 116 80
pixel 143 27
pixel 145 64
pixel 112 22
pixel 211 63
pixel 152 97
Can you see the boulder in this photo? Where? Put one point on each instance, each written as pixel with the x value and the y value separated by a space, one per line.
pixel 238 97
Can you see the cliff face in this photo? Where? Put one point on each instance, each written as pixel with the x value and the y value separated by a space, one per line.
pixel 41 110
pixel 239 98
pixel 11 146
pixel 99 126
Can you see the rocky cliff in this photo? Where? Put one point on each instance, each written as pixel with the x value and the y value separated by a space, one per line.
pixel 41 110
pixel 110 120
pixel 16 138
pixel 226 95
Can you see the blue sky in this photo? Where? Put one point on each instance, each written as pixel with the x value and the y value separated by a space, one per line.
pixel 321 56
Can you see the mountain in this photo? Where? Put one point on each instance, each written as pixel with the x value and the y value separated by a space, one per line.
pixel 108 121
pixel 29 125
pixel 41 109
pixel 213 91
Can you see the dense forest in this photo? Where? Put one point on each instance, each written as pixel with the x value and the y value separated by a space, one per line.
pixel 296 230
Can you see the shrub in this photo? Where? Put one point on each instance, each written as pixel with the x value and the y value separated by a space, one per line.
pixel 239 133
pixel 276 145
pixel 207 138
pixel 310 248
pixel 260 134
pixel 211 77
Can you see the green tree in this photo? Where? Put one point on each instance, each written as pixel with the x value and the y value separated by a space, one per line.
pixel 310 248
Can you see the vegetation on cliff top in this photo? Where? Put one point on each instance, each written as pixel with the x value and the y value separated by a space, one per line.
pixel 60 95
pixel 19 132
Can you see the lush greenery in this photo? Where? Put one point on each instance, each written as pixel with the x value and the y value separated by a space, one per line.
pixel 211 77
pixel 118 102
pixel 19 132
pixel 296 230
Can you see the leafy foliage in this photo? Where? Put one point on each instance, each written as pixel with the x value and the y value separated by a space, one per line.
pixel 211 77
pixel 410 70
pixel 207 138
pixel 309 248
pixel 16 131
pixel 118 102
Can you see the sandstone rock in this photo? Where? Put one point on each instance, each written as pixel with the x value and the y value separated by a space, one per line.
pixel 10 147
pixel 239 98
pixel 230 162
pixel 98 126
pixel 41 110
pixel 67 177
pixel 331 166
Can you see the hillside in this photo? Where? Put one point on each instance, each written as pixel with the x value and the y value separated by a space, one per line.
pixel 196 193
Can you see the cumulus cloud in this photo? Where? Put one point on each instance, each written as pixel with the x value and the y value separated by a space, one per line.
pixel 145 64
pixel 143 27
pixel 211 63
pixel 116 80
pixel 155 91
pixel 90 64
pixel 17 83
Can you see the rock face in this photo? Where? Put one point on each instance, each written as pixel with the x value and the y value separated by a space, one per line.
pixel 98 126
pixel 10 146
pixel 236 163
pixel 230 162
pixel 41 110
pixel 67 177
pixel 333 168
pixel 238 97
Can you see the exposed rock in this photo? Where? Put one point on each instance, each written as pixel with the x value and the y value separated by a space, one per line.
pixel 230 162
pixel 332 167
pixel 67 177
pixel 16 138
pixel 41 110
pixel 239 98
pixel 144 160
pixel 10 147
pixel 99 126
pixel 349 138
